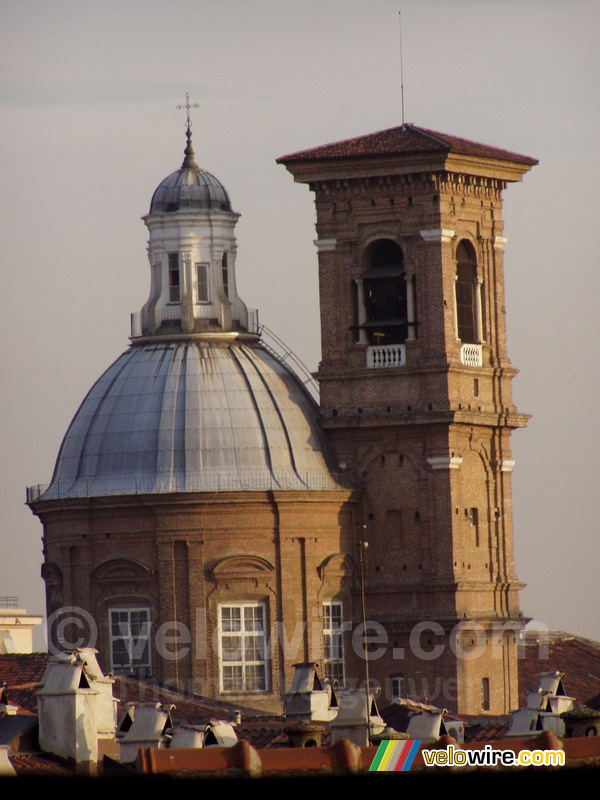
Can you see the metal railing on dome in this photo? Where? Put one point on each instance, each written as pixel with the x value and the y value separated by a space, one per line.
pixel 200 482
pixel 271 342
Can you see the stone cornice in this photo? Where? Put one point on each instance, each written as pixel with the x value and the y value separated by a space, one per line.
pixel 325 245
pixel 437 235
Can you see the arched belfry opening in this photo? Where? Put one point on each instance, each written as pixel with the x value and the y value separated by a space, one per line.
pixel 410 220
pixel 469 317
pixel 382 296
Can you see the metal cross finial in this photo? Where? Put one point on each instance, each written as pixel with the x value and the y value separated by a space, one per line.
pixel 187 107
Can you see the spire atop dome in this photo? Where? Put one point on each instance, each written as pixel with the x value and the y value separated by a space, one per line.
pixel 189 162
pixel 192 251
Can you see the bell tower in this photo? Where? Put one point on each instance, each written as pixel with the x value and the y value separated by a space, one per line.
pixel 416 397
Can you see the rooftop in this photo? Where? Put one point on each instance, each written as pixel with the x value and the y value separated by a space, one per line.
pixel 406 139
pixel 577 657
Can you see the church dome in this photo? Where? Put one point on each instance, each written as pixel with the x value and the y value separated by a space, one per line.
pixel 193 416
pixel 190 188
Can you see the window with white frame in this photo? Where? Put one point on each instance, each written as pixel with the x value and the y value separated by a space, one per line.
pixel 202 290
pixel 243 647
pixel 129 639
pixel 398 687
pixel 333 642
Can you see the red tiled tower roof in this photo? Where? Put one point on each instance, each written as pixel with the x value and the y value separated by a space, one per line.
pixel 406 139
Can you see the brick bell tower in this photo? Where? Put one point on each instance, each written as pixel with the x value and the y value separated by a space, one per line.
pixel 416 397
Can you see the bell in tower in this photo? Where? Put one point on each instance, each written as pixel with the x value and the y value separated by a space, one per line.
pixel 416 397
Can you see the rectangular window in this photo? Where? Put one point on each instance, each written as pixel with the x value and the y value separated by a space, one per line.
pixel 202 293
pixel 174 281
pixel 333 642
pixel 243 647
pixel 129 640
pixel 485 694
pixel 225 272
pixel 398 687
pixel 474 515
pixel 465 309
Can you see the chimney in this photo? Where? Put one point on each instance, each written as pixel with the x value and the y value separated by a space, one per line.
pixel 70 708
pixel 144 725
pixel 187 737
pixel 220 733
pixel 352 721
pixel 309 699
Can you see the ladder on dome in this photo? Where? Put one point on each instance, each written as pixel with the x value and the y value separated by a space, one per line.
pixel 279 350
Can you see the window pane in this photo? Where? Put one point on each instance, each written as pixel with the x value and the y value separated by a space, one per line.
pixel 120 653
pixel 253 618
pixel 333 642
pixel 140 655
pixel 335 672
pixel 202 294
pixel 231 648
pixel 139 623
pixel 333 646
pixel 231 619
pixel 243 641
pixel 336 616
pixel 130 632
pixel 173 277
pixel 254 648
pixel 255 678
pixel 232 679
pixel 225 273
pixel 119 624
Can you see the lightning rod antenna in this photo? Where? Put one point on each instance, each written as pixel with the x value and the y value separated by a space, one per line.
pixel 401 67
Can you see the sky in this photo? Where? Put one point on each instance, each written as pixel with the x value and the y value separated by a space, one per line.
pixel 89 127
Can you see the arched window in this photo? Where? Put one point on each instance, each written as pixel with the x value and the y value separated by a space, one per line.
pixel 466 290
pixel 383 304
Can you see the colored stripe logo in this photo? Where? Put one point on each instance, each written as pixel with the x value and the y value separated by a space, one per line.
pixel 395 756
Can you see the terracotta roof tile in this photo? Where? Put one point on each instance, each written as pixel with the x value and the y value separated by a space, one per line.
pixel 22 669
pixel 34 765
pixel 264 733
pixel 189 708
pixel 577 657
pixel 488 732
pixel 403 140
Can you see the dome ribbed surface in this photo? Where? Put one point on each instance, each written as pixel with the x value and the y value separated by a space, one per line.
pixel 193 416
pixel 190 188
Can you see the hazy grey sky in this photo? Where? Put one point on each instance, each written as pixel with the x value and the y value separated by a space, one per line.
pixel 89 128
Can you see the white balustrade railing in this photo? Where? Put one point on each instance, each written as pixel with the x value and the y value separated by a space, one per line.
pixel 471 355
pixel 386 355
pixel 247 318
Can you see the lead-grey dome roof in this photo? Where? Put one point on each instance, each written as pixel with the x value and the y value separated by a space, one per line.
pixel 193 416
pixel 190 188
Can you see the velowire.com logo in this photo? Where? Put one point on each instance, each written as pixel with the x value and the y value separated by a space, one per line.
pixel 395 756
